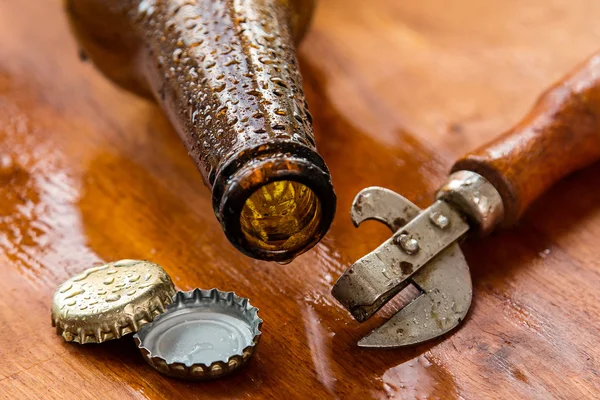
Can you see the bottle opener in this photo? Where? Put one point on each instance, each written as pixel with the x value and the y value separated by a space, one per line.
pixel 488 188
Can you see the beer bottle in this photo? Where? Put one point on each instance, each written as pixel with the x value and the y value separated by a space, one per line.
pixel 226 74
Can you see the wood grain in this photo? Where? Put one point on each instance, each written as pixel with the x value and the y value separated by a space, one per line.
pixel 398 90
pixel 560 135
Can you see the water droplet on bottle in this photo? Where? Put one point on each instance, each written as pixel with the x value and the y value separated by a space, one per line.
pixel 177 55
pixel 265 60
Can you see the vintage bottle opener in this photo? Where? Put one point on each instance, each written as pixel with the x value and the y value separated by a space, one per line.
pixel 488 188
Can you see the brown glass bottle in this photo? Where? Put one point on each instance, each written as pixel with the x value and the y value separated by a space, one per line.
pixel 225 72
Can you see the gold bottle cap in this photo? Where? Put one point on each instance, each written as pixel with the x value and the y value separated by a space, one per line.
pixel 110 301
pixel 203 334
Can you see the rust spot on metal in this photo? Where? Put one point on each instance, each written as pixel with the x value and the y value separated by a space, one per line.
pixel 406 267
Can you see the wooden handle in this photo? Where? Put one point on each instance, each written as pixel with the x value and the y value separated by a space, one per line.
pixel 560 135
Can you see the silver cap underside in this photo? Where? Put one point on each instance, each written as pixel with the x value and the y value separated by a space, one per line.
pixel 202 335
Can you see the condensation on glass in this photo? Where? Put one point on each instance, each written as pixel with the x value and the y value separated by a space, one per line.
pixel 225 72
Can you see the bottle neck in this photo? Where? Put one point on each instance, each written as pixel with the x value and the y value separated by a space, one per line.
pixel 227 75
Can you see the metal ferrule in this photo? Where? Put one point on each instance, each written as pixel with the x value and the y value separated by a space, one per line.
pixel 476 198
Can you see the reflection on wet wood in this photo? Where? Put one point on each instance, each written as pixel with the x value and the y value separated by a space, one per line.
pixel 89 173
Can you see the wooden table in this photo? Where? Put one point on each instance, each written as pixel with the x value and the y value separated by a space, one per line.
pixel 399 89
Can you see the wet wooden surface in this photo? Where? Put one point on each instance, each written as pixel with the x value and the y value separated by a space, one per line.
pixel 399 90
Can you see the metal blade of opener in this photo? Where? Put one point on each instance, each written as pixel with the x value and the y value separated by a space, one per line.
pixel 423 251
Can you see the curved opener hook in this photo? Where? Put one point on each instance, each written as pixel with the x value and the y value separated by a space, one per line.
pixel 383 205
pixel 422 251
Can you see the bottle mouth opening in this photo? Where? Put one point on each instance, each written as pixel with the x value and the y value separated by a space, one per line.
pixel 275 208
pixel 281 216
